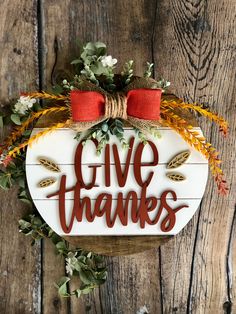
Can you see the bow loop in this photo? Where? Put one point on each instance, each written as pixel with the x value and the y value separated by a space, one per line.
pixel 138 106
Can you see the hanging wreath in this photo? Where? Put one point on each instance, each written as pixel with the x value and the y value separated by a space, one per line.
pixel 98 104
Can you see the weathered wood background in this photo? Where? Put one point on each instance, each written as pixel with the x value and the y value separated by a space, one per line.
pixel 192 43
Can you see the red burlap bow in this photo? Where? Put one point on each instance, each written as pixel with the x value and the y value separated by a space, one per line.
pixel 138 104
pixel 87 106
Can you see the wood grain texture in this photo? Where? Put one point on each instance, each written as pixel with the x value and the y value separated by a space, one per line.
pixel 20 264
pixel 105 21
pixel 193 46
pixel 117 245
pixel 202 70
pixel 216 69
pixel 53 270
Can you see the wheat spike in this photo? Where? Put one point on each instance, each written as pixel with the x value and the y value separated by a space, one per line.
pixel 171 104
pixel 16 150
pixel 199 142
pixel 44 95
pixel 35 115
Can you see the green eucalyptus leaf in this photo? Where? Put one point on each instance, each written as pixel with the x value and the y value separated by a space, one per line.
pixel 98 69
pixel 100 45
pixel 62 286
pixel 77 293
pixel 61 246
pixel 15 118
pixel 37 107
pixel 89 46
pixel 105 127
pixel 36 222
pixel 22 194
pixel 5 181
pixel 118 130
pixel 26 201
pixel 76 61
pixel 119 135
pixel 55 238
pixel 27 133
pixel 86 289
pixel 21 182
pixel 1 122
pixel 23 224
pixel 118 122
pixel 86 276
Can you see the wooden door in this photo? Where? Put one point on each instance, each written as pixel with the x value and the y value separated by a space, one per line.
pixel 192 44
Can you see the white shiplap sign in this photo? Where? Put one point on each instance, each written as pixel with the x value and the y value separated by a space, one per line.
pixel 120 192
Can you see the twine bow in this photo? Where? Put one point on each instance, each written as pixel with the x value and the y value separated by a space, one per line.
pixel 140 106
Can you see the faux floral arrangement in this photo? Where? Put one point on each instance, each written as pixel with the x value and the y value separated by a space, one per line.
pixel 111 95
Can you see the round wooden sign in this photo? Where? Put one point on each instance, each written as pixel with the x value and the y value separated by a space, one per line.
pixel 115 202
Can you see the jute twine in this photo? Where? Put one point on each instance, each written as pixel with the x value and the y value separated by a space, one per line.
pixel 116 107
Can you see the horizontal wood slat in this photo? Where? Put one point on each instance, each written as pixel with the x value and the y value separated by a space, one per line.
pixel 60 146
pixel 49 212
pixel 192 187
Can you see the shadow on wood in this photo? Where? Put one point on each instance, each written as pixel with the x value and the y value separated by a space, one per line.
pixel 116 245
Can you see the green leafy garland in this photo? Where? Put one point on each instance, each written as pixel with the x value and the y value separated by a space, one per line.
pixel 96 66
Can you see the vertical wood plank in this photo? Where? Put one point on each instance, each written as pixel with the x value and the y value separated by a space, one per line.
pixel 176 47
pixel 126 27
pixel 53 270
pixel 53 265
pixel 134 283
pixel 216 72
pixel 20 263
pixel 195 50
pixel 230 304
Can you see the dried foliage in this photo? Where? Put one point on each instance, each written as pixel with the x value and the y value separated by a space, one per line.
pixel 18 132
pixel 193 138
pixel 172 104
pixel 48 96
pixel 16 150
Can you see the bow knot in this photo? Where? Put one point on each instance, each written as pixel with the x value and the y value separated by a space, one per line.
pixel 138 104
pixel 116 106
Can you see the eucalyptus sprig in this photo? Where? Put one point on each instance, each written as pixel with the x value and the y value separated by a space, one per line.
pixel 96 66
pixel 143 137
pixel 101 132
pixel 86 266
pixel 149 70
pixel 127 72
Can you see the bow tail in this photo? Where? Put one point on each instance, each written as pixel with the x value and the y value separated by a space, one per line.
pixel 143 125
pixel 85 125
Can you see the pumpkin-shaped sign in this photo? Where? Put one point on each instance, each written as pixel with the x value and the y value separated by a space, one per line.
pixel 151 189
